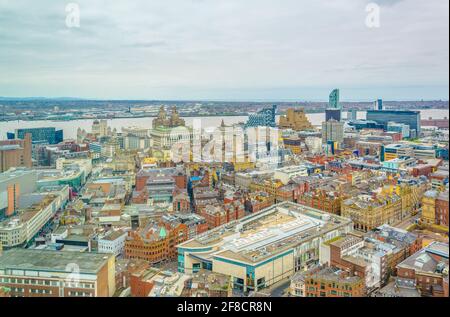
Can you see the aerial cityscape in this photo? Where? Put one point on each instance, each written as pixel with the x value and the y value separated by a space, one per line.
pixel 103 194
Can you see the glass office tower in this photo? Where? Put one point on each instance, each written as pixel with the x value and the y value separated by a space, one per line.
pixel 39 135
pixel 411 118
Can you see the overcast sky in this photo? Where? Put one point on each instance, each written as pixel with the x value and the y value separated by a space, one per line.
pixel 225 49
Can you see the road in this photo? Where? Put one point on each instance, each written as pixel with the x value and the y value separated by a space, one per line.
pixel 431 236
pixel 407 222
pixel 280 289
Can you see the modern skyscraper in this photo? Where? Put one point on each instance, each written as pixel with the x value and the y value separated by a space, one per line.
pixel 411 118
pixel 334 110
pixel 332 131
pixel 333 114
pixel 264 118
pixel 334 100
pixel 39 135
pixel 378 105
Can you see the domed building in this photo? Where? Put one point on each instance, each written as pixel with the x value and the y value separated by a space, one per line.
pixel 169 122
pixel 169 130
pixel 100 128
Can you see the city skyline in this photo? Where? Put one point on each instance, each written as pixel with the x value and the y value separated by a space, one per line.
pixel 224 155
pixel 234 50
pixel 322 99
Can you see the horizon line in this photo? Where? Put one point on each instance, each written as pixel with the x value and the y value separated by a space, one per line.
pixel 7 98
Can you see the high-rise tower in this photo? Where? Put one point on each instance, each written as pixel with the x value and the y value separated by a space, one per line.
pixel 334 110
pixel 378 105
pixel 334 100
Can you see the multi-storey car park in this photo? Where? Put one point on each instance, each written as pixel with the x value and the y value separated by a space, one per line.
pixel 264 248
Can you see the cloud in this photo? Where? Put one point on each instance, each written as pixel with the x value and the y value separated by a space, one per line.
pixel 174 48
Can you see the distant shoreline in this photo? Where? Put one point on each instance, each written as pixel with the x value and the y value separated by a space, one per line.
pixel 63 119
pixel 145 116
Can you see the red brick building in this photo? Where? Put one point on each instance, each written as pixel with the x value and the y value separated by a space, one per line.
pixel 125 268
pixel 234 210
pixel 139 286
pixel 140 197
pixel 351 265
pixel 141 180
pixel 440 123
pixel 220 214
pixel 422 170
pixel 290 192
pixel 181 202
pixel 144 174
pixel 327 282
pixel 425 270
pixel 156 242
pixel 257 201
pixel 180 181
pixel 396 136
pixel 322 200
pixel 214 215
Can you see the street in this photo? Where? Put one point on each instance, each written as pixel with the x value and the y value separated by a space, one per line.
pixel 407 222
pixel 280 289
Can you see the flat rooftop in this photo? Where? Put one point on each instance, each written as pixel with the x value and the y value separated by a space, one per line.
pixel 427 259
pixel 292 169
pixel 10 147
pixel 15 172
pixel 269 232
pixel 395 111
pixel 27 213
pixel 52 261
pixel 111 236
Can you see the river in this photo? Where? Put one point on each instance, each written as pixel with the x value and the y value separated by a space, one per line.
pixel 70 127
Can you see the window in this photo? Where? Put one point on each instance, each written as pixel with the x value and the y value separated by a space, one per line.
pixel 261 281
pixel 239 281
